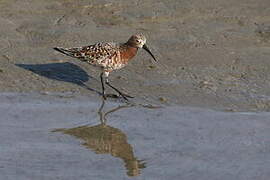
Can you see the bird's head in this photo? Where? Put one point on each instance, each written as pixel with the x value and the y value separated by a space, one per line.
pixel 138 41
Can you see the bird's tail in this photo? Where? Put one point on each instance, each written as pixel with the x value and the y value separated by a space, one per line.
pixel 72 52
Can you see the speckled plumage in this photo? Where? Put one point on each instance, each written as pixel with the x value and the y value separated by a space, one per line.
pixel 108 56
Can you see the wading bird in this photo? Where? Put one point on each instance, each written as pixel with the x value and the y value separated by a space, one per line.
pixel 108 56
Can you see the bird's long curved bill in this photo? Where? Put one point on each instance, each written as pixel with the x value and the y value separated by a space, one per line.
pixel 147 49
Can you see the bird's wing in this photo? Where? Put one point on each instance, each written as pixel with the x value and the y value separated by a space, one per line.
pixel 93 54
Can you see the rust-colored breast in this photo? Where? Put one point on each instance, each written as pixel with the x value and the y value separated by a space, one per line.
pixel 128 53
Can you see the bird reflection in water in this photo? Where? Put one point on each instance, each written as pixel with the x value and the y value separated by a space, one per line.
pixel 104 139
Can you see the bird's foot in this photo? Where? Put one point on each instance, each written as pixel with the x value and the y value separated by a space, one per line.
pixel 125 96
pixel 110 96
pixel 104 96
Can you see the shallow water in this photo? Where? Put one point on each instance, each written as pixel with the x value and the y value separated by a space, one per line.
pixel 63 137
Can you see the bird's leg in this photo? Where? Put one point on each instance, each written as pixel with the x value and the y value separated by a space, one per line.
pixel 125 96
pixel 119 92
pixel 102 84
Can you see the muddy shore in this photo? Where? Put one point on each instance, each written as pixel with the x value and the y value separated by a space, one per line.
pixel 213 54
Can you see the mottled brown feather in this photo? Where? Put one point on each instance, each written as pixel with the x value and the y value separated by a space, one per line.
pixel 127 53
pixel 107 55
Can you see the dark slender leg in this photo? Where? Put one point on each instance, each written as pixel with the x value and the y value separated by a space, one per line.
pixel 121 94
pixel 107 82
pixel 102 84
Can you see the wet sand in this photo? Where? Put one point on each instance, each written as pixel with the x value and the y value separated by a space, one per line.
pixel 213 54
pixel 62 137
